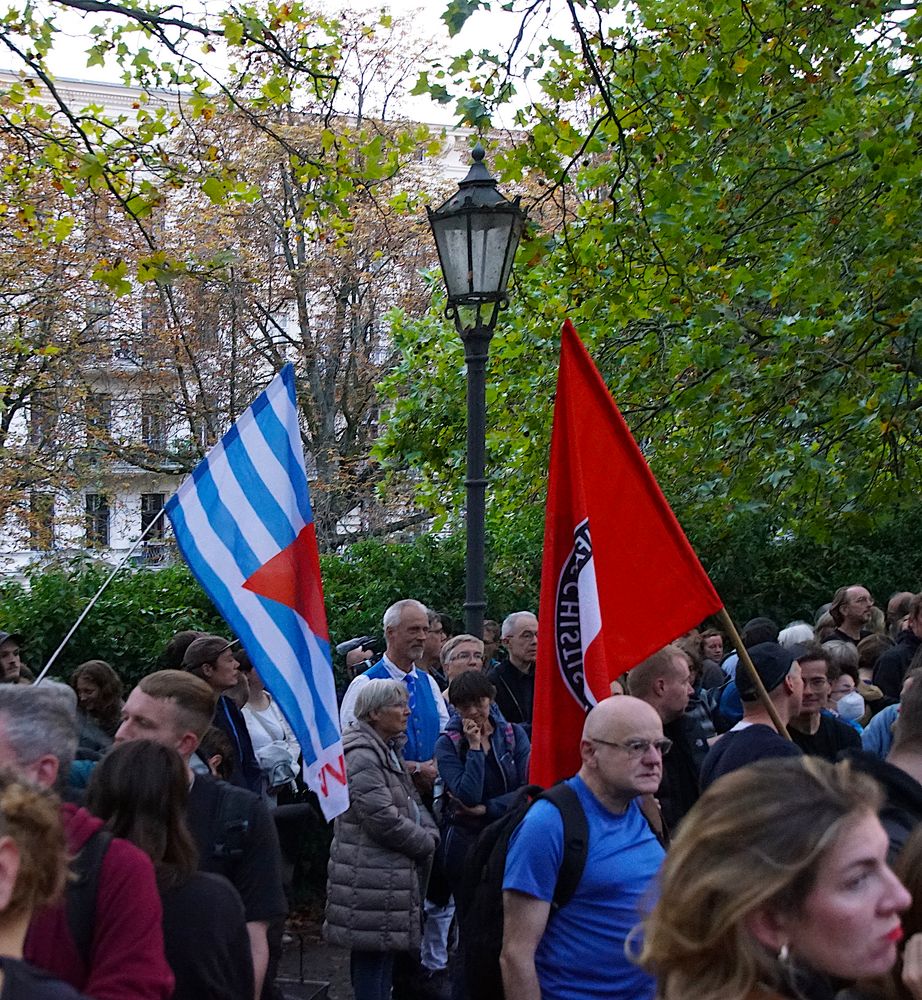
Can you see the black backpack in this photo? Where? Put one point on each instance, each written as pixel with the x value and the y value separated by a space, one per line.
pixel 480 896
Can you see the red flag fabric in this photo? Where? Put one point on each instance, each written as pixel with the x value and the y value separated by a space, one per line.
pixel 619 579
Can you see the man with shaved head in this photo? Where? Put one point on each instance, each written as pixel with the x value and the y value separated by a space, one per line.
pixel 558 955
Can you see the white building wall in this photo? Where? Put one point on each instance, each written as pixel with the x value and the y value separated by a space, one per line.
pixel 122 483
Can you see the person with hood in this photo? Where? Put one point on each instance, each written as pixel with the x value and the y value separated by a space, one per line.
pixel 382 845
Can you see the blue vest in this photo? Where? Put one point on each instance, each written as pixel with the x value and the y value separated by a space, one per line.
pixel 424 724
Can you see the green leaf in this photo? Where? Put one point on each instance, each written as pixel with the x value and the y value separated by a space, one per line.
pixel 63 227
pixel 215 190
pixel 457 12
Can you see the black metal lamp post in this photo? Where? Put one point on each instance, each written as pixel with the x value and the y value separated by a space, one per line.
pixel 476 232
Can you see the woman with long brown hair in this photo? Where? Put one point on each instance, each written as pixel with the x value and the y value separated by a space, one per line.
pixel 140 790
pixel 99 694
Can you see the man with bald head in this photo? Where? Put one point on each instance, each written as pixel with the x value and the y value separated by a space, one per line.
pixel 557 956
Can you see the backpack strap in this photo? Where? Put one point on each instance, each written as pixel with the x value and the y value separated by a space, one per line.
pixel 233 822
pixel 81 892
pixel 460 743
pixel 575 841
pixel 653 814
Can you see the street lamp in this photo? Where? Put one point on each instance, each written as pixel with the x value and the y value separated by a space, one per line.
pixel 476 232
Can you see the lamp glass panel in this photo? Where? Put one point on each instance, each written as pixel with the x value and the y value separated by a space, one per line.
pixel 451 239
pixel 489 239
pixel 517 224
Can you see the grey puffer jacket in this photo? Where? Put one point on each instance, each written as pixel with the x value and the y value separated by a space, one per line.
pixel 380 845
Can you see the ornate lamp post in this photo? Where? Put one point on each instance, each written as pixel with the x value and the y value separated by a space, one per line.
pixel 476 232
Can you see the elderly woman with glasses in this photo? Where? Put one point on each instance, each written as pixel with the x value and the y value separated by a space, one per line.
pixel 461 653
pixel 382 845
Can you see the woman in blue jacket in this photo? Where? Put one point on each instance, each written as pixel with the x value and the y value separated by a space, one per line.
pixel 482 761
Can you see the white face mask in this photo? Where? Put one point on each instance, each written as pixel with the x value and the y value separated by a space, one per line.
pixel 851 706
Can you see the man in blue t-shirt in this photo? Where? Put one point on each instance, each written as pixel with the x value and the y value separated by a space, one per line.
pixel 578 952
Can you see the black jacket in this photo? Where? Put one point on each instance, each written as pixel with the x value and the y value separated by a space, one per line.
pixel 892 665
pixel 515 692
pixel 902 810
pixel 679 789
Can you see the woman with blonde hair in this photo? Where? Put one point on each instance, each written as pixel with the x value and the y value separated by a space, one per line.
pixel 33 870
pixel 776 886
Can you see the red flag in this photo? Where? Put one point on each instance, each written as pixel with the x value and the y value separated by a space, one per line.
pixel 619 579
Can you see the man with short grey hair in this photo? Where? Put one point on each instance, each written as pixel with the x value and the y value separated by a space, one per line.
pixel 406 625
pixel 514 675
pixel 122 955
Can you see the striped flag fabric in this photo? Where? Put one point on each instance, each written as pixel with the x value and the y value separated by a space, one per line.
pixel 244 524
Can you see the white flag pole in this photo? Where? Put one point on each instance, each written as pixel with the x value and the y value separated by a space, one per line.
pixel 157 517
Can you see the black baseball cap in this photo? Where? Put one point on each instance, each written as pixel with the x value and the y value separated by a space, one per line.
pixel 772 662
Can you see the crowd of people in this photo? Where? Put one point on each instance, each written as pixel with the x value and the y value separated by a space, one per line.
pixel 745 823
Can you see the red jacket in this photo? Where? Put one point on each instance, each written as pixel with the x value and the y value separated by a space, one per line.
pixel 127 951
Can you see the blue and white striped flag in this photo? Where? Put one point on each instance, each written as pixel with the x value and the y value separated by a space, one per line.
pixel 244 523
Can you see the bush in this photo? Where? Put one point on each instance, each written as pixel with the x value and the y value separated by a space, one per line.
pixel 755 570
pixel 142 608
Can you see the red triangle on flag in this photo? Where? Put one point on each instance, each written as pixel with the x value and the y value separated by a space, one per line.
pixel 293 578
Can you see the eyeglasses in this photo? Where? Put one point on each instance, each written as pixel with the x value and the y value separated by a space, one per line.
pixel 527 634
pixel 637 748
pixel 463 655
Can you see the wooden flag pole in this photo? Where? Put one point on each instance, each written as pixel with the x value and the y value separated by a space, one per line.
pixel 745 660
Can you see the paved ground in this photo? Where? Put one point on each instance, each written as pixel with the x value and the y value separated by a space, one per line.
pixel 308 956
